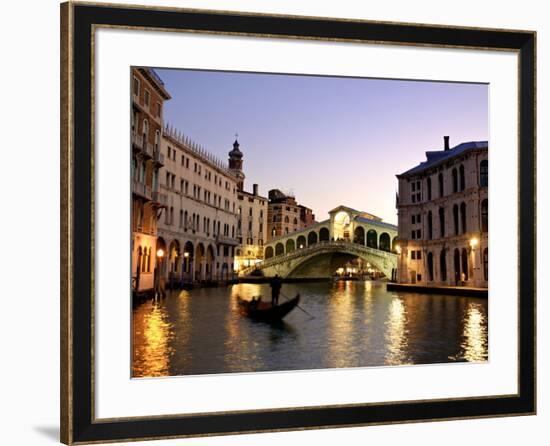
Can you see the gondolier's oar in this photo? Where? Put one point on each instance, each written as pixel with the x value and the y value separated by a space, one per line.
pixel 288 298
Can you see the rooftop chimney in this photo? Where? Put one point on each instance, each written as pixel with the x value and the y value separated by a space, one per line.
pixel 446 138
pixel 255 189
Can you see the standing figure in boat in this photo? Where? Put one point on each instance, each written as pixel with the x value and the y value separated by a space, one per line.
pixel 276 283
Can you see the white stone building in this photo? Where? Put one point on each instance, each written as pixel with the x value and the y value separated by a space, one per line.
pixel 198 229
pixel 251 228
pixel 443 218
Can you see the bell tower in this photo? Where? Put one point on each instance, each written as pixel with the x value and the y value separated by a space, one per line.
pixel 236 164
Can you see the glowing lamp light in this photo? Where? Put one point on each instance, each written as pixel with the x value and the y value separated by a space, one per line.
pixel 473 243
pixel 160 253
pixel 398 249
pixel 185 254
pixel 301 246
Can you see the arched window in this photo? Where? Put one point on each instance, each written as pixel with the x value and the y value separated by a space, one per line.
pixel 430 225
pixel 440 182
pixel 359 235
pixel 185 216
pixel 145 133
pixel 324 235
pixel 138 262
pixel 430 267
pixel 268 252
pixel 462 177
pixel 455 218
pixel 465 263
pixel 311 238
pixel 486 263
pixel 157 141
pixel 442 222
pixel 463 218
pixel 372 239
pixel 484 173
pixel 149 260
pixel 286 219
pixel 295 221
pixel 279 249
pixel 144 261
pixel 385 243
pixel 443 265
pixel 290 245
pixel 455 181
pixel 300 242
pixel 429 187
pixel 485 215
pixel 457 265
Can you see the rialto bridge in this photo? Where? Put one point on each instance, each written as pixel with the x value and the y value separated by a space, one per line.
pixel 322 248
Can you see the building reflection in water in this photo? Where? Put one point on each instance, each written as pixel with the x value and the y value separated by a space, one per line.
pixel 355 324
pixel 474 343
pixel 340 340
pixel 151 338
pixel 396 333
pixel 241 346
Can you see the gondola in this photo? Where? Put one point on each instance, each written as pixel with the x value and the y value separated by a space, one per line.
pixel 264 311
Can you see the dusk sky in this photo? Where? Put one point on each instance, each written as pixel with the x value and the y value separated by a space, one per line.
pixel 328 140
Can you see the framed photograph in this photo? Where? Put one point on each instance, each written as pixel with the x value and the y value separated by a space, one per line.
pixel 274 223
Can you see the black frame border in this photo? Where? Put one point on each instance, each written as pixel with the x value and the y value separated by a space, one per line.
pixel 77 418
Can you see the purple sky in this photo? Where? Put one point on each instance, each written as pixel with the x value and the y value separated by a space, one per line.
pixel 329 140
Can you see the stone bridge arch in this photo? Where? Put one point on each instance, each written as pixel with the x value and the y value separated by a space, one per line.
pixel 322 257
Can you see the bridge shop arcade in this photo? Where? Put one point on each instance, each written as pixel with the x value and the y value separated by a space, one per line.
pixel 331 248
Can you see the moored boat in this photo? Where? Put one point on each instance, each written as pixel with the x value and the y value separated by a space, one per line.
pixel 264 311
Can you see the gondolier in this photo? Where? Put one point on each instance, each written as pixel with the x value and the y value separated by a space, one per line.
pixel 276 283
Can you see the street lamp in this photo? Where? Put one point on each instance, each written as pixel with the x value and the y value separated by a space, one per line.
pixel 398 249
pixel 473 243
pixel 156 274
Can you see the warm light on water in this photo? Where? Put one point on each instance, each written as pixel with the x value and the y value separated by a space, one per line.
pixel 356 324
pixel 475 334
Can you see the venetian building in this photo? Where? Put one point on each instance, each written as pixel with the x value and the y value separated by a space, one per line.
pixel 285 215
pixel 252 216
pixel 198 231
pixel 148 96
pixel 443 218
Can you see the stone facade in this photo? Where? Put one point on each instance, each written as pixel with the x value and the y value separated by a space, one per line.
pixel 198 231
pixel 285 215
pixel 251 228
pixel 443 218
pixel 148 96
pixel 320 249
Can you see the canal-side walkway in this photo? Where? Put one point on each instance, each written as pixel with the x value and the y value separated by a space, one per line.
pixel 450 290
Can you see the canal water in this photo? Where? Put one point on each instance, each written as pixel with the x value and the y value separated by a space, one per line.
pixel 355 324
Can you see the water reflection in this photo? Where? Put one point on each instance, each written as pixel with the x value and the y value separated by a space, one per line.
pixel 151 342
pixel 396 334
pixel 356 324
pixel 474 342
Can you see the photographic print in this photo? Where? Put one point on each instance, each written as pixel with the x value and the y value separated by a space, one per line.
pixel 298 222
pixel 298 205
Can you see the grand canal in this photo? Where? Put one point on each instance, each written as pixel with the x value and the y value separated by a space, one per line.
pixel 355 324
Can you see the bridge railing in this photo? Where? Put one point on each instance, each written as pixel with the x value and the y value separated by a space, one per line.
pixel 318 247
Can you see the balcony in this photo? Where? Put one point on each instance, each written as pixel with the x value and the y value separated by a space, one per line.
pixel 137 141
pixel 142 190
pixel 148 150
pixel 157 156
pixel 226 240
pixel 160 198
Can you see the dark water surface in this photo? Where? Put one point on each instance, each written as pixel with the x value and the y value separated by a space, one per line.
pixel 356 324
